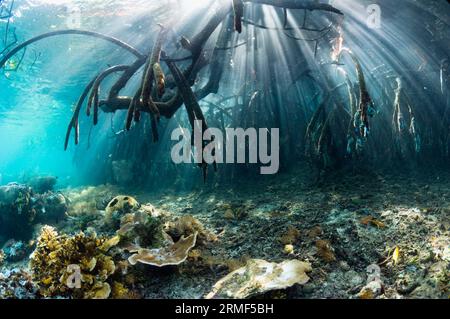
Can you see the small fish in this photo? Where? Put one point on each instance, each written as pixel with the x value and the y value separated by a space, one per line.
pixel 396 255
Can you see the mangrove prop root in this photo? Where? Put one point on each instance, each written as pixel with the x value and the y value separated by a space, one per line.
pixel 132 109
pixel 299 4
pixel 149 75
pixel 113 40
pixel 94 96
pixel 153 74
pixel 125 78
pixel 365 101
pixel 74 121
pixel 192 106
pixel 238 9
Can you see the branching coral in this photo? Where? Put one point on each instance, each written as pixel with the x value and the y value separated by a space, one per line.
pixel 57 257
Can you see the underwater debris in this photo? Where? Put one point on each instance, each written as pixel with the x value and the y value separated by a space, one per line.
pixel 170 255
pixel 55 254
pixel 259 277
pixel 398 120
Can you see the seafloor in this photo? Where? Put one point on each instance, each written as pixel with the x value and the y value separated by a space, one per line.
pixel 341 226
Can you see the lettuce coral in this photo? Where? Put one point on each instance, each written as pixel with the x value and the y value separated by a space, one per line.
pixel 170 255
pixel 259 277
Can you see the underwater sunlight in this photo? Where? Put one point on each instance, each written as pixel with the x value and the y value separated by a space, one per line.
pixel 224 149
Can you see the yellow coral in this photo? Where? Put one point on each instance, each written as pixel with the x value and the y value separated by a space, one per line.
pixel 54 256
pixel 119 291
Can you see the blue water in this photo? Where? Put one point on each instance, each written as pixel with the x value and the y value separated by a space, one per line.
pixel 37 99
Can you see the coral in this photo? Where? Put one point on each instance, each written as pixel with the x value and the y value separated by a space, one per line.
pixel 119 291
pixel 2 256
pixel 141 229
pixel 141 232
pixel 17 214
pixel 51 207
pixel 17 284
pixel 118 207
pixel 89 200
pixel 315 232
pixel 42 184
pixel 172 254
pixel 188 225
pixel 291 236
pixel 372 290
pixel 54 256
pixel 325 251
pixel 288 249
pixel 259 277
pixel 15 251
pixel 21 209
